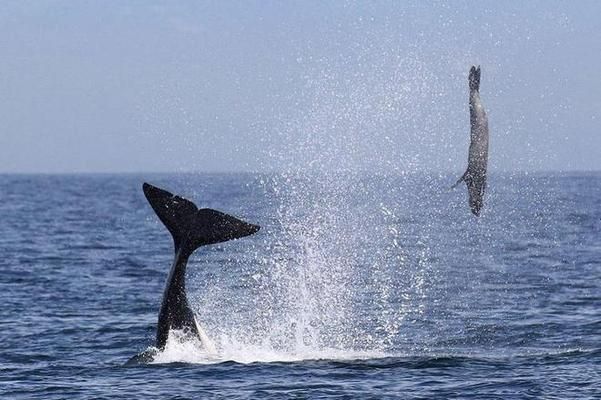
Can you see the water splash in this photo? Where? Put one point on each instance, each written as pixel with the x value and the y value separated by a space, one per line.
pixel 182 349
pixel 333 277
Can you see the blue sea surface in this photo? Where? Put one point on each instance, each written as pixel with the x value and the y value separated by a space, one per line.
pixel 357 286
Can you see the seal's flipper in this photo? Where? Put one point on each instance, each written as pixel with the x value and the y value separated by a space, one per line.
pixel 192 227
pixel 459 180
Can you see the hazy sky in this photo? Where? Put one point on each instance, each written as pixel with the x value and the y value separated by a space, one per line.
pixel 101 86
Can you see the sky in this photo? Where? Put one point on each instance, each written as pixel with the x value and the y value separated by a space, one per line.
pixel 153 86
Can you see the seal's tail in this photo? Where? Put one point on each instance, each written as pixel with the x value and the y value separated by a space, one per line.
pixel 474 78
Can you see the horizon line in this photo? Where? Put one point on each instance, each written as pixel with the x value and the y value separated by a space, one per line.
pixel 295 170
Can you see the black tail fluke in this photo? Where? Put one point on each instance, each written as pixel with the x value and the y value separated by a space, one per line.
pixel 176 213
pixel 474 78
pixel 192 227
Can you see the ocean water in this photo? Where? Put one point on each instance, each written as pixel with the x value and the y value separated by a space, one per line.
pixel 357 286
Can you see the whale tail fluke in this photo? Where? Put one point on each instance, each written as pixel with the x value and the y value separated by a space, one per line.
pixel 192 227
pixel 474 78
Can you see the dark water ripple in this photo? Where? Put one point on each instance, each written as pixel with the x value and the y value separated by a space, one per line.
pixel 406 295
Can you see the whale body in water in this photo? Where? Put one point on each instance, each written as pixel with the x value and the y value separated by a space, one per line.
pixel 190 228
pixel 475 175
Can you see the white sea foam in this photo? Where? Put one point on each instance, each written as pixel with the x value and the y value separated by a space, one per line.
pixel 181 348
